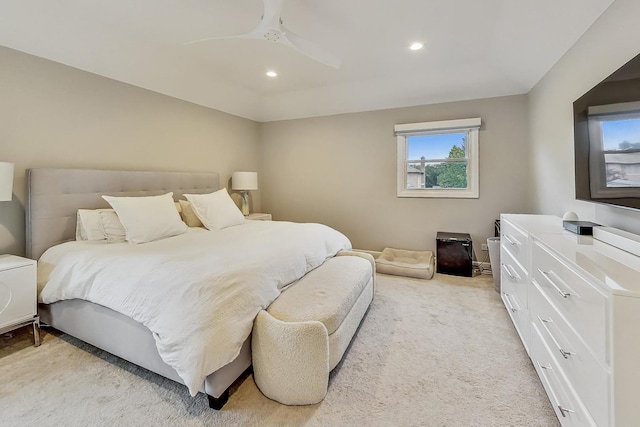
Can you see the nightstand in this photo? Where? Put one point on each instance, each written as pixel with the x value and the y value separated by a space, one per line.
pixel 259 217
pixel 18 299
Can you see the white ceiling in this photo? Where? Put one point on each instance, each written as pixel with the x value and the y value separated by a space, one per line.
pixel 474 49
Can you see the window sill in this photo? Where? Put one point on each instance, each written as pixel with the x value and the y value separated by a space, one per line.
pixel 440 194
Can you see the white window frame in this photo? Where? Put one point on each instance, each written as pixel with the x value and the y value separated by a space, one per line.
pixel 471 127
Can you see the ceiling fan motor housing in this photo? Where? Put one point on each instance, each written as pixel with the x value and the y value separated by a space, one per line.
pixel 272 36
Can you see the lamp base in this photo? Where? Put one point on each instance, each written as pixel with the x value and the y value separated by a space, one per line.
pixel 245 203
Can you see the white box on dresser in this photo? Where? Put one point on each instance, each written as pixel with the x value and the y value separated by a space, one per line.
pixel 583 306
pixel 18 297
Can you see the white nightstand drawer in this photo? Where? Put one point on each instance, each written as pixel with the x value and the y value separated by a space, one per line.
pixel 17 291
pixel 566 404
pixel 514 241
pixel 588 376
pixel 582 305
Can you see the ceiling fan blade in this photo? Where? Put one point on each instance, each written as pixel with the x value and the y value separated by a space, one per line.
pixel 271 15
pixel 309 49
pixel 253 34
pixel 272 30
pixel 270 21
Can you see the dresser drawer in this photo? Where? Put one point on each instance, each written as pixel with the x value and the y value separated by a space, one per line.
pixel 566 404
pixel 514 277
pixel 584 372
pixel 518 313
pixel 514 241
pixel 582 305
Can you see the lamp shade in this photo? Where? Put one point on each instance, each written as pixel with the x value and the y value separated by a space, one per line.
pixel 244 181
pixel 6 181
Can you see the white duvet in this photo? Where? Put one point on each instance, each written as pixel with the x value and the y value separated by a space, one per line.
pixel 198 293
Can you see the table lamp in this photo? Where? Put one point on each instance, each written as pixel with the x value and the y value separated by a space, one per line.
pixel 243 182
pixel 6 181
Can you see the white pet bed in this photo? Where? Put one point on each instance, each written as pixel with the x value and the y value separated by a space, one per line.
pixel 400 262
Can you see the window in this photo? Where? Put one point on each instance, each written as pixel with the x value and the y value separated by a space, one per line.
pixel 438 159
pixel 614 135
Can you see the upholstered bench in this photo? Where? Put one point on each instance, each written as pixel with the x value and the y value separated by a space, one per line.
pixel 305 332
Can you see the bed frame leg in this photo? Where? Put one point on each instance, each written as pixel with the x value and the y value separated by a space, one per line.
pixel 218 402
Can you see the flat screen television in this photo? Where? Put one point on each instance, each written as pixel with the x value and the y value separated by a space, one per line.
pixel 607 139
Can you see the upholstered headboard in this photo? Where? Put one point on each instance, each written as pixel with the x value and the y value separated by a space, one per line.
pixel 55 195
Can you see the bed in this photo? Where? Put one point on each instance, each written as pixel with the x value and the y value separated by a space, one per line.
pixel 53 198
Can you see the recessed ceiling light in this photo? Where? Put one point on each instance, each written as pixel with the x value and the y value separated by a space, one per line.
pixel 416 46
pixel 272 73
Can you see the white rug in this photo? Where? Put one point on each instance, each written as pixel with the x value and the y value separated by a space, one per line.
pixel 429 353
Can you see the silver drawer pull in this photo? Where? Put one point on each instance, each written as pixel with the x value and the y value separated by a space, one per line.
pixel 508 300
pixel 547 275
pixel 564 411
pixel 545 320
pixel 563 352
pixel 544 367
pixel 511 240
pixel 566 354
pixel 514 277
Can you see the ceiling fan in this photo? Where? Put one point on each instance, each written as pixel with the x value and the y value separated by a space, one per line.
pixel 271 29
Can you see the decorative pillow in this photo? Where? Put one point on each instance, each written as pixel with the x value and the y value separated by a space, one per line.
pixel 88 226
pixel 149 218
pixel 99 224
pixel 188 215
pixel 216 210
pixel 112 228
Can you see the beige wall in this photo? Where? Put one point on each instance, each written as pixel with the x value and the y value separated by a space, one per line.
pixel 341 171
pixel 52 115
pixel 609 43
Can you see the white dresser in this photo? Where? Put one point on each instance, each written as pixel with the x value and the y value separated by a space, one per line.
pixel 575 303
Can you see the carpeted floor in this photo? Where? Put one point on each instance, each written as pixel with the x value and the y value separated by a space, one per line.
pixel 429 353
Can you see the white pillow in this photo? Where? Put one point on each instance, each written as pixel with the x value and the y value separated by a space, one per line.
pixel 216 210
pixel 149 218
pixel 88 225
pixel 188 214
pixel 112 228
pixel 98 224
